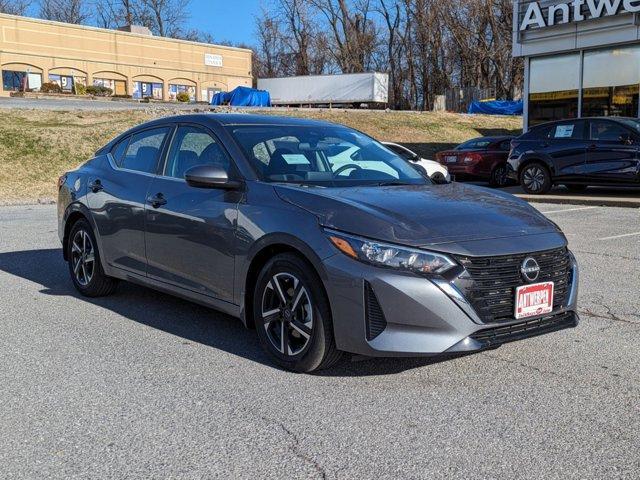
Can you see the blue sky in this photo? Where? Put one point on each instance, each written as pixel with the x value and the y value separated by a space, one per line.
pixel 231 20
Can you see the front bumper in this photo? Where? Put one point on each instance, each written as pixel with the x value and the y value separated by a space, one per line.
pixel 422 317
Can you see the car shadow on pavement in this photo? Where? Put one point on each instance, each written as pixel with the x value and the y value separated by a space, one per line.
pixel 181 318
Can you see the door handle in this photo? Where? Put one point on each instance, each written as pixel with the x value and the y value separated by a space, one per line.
pixel 96 186
pixel 593 146
pixel 157 200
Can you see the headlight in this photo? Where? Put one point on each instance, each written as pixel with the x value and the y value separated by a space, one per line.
pixel 391 256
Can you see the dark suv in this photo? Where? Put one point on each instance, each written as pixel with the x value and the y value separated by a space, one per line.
pixel 577 153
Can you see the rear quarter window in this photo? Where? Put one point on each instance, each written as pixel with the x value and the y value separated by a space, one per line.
pixel 117 152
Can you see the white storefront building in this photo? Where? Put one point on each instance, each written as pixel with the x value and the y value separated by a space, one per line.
pixel 581 57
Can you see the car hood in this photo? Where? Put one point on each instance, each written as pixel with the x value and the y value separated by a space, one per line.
pixel 420 215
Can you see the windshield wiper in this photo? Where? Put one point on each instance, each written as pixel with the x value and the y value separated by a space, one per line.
pixel 391 184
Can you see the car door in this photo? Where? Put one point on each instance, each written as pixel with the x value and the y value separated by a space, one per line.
pixel 117 195
pixel 612 154
pixel 190 232
pixel 566 146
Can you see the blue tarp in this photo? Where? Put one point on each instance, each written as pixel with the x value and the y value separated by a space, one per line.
pixel 497 107
pixel 243 97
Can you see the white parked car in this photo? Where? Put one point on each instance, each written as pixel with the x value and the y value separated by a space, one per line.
pixel 437 172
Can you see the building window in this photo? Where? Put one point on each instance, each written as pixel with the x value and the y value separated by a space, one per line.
pixel 175 89
pixel 64 81
pixel 15 81
pixel 147 90
pixel 611 94
pixel 118 87
pixel 554 84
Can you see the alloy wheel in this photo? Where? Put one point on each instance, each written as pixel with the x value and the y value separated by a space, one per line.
pixel 500 176
pixel 534 178
pixel 287 314
pixel 83 257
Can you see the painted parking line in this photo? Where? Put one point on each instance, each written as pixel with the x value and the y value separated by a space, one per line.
pixel 569 210
pixel 625 235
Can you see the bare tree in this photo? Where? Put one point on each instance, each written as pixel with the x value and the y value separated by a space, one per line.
pixel 352 32
pixel 395 22
pixel 270 46
pixel 14 7
pixel 68 11
pixel 164 17
pixel 115 13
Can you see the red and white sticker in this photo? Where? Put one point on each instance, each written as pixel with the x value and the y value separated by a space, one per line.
pixel 533 300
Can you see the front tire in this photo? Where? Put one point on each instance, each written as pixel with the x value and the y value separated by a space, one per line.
pixel 292 316
pixel 535 179
pixel 84 262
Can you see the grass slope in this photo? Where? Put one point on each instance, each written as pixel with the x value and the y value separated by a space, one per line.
pixel 37 146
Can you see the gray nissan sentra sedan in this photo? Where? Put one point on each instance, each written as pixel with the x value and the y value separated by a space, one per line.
pixel 316 236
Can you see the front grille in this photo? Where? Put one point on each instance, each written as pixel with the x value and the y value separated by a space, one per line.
pixel 491 283
pixel 493 337
pixel 375 321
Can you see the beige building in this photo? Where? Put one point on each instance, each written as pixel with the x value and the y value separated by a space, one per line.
pixel 34 51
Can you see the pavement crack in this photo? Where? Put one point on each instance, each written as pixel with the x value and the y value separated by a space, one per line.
pixel 572 380
pixel 608 315
pixel 294 446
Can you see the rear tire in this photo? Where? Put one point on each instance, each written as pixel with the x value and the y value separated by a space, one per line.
pixel 84 262
pixel 292 316
pixel 535 179
pixel 498 178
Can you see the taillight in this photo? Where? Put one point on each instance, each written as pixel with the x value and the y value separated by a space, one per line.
pixel 61 180
pixel 472 158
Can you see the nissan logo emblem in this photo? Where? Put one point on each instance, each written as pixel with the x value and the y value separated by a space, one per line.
pixel 530 269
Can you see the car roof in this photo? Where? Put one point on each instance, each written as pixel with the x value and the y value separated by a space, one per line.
pixel 220 120
pixel 555 122
pixel 226 119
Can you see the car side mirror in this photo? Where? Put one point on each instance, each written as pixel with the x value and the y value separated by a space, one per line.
pixel 439 179
pixel 210 176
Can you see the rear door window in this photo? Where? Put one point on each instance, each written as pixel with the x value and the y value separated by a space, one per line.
pixel 144 150
pixel 567 131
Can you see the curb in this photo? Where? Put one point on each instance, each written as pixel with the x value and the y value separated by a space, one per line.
pixel 589 201
pixel 27 202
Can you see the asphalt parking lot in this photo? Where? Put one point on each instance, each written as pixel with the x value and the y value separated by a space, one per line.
pixel 141 385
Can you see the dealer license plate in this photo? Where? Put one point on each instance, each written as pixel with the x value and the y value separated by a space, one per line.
pixel 451 159
pixel 533 300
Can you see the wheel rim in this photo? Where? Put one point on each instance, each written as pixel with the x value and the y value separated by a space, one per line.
pixel 534 178
pixel 82 257
pixel 500 176
pixel 287 314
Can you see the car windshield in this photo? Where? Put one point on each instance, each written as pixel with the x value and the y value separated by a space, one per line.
pixel 329 156
pixel 629 122
pixel 475 144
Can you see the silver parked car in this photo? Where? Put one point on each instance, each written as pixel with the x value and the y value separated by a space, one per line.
pixel 264 219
